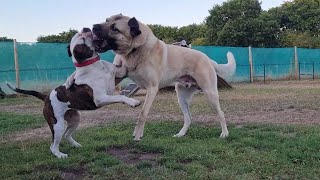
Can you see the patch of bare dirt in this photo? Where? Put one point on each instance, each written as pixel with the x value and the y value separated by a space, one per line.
pixel 133 156
pixel 66 174
pixel 280 102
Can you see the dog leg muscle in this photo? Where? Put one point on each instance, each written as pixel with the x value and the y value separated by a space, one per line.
pixel 107 99
pixel 151 94
pixel 184 98
pixel 213 98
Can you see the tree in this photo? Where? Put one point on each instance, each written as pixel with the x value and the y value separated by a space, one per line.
pixel 305 39
pixel 5 39
pixel 299 23
pixel 64 37
pixel 173 34
pixel 233 12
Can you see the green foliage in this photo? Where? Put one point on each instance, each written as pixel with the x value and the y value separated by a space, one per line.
pixel 242 23
pixel 299 22
pixel 300 39
pixel 173 34
pixel 64 37
pixel 5 39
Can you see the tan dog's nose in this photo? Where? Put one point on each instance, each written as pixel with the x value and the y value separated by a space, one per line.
pixel 96 28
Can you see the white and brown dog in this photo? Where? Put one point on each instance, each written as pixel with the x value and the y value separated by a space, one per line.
pixel 91 86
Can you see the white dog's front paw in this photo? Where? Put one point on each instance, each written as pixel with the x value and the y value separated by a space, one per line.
pixel 60 155
pixel 134 102
pixel 224 134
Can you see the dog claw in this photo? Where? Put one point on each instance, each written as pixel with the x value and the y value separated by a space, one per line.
pixel 178 135
pixel 77 145
pixel 61 155
pixel 224 135
pixel 137 104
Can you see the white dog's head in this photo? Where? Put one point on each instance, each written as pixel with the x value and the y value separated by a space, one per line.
pixel 81 47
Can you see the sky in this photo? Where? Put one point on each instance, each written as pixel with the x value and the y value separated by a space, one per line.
pixel 25 20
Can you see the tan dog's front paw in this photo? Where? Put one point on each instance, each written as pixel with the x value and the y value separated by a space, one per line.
pixel 224 135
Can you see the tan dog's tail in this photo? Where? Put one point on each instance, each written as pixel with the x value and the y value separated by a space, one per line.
pixel 226 70
pixel 28 92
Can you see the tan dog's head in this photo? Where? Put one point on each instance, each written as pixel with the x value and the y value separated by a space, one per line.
pixel 81 46
pixel 120 33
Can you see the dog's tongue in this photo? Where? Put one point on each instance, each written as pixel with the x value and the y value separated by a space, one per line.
pixel 95 37
pixel 104 43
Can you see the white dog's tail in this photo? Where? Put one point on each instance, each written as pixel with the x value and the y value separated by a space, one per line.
pixel 226 70
pixel 28 92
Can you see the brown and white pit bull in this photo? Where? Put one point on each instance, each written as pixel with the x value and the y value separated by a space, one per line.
pixel 91 86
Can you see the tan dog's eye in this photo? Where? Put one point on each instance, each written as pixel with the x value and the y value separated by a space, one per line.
pixel 113 28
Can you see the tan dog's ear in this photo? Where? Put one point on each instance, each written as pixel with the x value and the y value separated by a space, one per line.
pixel 134 27
pixel 69 52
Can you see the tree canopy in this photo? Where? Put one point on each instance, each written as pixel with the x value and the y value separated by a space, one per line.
pixel 64 37
pixel 243 23
pixel 5 39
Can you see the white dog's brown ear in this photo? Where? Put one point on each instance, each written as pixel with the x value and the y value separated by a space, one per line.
pixel 134 27
pixel 69 52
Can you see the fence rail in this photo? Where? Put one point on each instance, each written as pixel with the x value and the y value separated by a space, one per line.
pixel 49 62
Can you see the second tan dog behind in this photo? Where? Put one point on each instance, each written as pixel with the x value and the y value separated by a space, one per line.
pixel 152 65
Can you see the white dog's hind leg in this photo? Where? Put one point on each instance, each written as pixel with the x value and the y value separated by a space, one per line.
pixel 73 118
pixel 59 109
pixel 58 133
pixel 184 98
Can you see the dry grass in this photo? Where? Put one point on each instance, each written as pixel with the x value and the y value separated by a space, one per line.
pixel 279 102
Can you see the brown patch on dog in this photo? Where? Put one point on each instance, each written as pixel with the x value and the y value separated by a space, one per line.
pixel 133 156
pixel 79 96
pixel 48 115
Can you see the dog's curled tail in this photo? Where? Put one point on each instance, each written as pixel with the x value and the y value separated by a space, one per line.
pixel 28 92
pixel 226 70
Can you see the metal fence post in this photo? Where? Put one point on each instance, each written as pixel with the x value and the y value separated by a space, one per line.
pixel 16 63
pixel 264 73
pixel 251 66
pixel 296 63
pixel 299 71
pixel 313 70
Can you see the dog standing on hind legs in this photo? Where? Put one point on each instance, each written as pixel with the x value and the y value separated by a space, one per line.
pixel 90 87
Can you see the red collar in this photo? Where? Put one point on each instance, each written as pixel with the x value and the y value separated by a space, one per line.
pixel 88 62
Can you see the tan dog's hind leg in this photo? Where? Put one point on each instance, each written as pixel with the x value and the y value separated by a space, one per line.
pixel 138 130
pixel 184 98
pixel 213 98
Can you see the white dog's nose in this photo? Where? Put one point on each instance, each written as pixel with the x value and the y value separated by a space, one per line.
pixel 85 30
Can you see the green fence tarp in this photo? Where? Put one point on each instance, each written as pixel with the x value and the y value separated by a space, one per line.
pixel 46 65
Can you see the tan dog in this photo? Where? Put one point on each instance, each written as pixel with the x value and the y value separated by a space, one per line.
pixel 152 64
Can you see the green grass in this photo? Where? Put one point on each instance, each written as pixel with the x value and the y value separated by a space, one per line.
pixel 250 152
pixel 21 99
pixel 10 122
